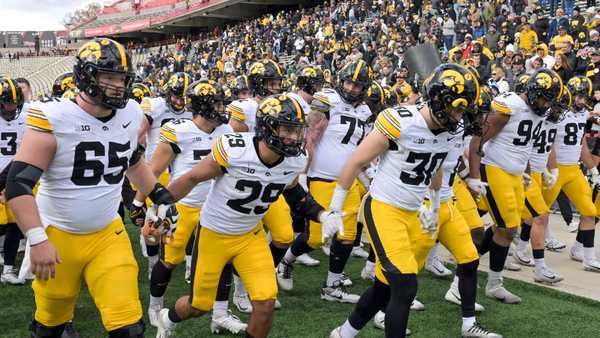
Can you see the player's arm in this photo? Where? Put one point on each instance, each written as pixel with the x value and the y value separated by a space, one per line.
pixel 35 153
pixel 238 118
pixel 301 202
pixel 208 168
pixel 238 126
pixel 586 156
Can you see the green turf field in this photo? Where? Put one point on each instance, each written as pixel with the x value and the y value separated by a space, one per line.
pixel 543 313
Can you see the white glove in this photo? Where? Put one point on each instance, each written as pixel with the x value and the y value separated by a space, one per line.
pixel 364 179
pixel 476 185
pixel 332 222
pixel 164 216
pixel 428 219
pixel 526 180
pixel 338 199
pixel 595 177
pixel 549 178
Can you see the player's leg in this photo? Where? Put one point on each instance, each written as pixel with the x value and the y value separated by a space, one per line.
pixel 222 319
pixel 12 239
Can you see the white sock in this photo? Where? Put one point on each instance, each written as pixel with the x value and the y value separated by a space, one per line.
pixel 220 309
pixel 239 287
pixel 494 277
pixel 432 252
pixel 347 331
pixel 588 254
pixel 156 301
pixel 370 266
pixel 467 322
pixel 454 285
pixel 549 233
pixel 7 268
pixel 289 257
pixel 188 260
pixel 577 245
pixel 167 320
pixel 539 263
pixel 332 277
pixel 522 245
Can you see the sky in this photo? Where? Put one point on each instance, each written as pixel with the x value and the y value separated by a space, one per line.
pixel 37 15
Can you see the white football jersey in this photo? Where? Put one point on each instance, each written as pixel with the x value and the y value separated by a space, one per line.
pixel 511 147
pixel 542 144
pixel 345 130
pixel 405 170
pixel 569 137
pixel 244 110
pixel 160 113
pixel 191 145
pixel 11 133
pixel 238 199
pixel 81 189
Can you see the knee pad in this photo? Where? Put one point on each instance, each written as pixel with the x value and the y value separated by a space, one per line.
pixel 41 331
pixel 130 331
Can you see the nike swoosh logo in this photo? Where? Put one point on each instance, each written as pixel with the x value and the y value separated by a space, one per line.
pixel 126 125
pixel 118 232
pixel 288 172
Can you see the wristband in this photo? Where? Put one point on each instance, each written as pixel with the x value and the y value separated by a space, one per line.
pixel 36 235
pixel 137 203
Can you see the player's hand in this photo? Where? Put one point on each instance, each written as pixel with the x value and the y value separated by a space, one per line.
pixel 526 180
pixel 332 222
pixel 44 258
pixel 476 187
pixel 163 217
pixel 549 178
pixel 428 218
pixel 137 213
pixel 595 177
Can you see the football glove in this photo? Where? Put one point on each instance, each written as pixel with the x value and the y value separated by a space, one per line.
pixel 163 217
pixel 595 177
pixel 137 212
pixel 526 180
pixel 332 222
pixel 476 186
pixel 549 178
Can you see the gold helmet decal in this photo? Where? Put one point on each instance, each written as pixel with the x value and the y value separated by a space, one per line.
pixel 90 49
pixel 271 106
pixel 544 80
pixel 257 68
pixel 205 89
pixel 309 72
pixel 453 80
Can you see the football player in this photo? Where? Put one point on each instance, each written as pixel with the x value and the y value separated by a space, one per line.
pixel 569 147
pixel 81 150
pixel 62 83
pixel 497 172
pixel 342 115
pixel 251 171
pixel 412 143
pixel 12 127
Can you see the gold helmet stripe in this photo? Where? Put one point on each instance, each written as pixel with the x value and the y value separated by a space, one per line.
pixel 13 90
pixel 357 70
pixel 185 85
pixel 123 55
pixel 298 109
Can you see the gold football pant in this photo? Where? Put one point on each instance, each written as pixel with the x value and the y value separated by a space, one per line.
pixel 322 191
pixel 250 256
pixel 534 200
pixel 174 249
pixel 278 220
pixel 105 260
pixel 572 181
pixel 466 205
pixel 505 196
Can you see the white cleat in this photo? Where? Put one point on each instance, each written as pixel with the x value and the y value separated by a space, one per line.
pixel 521 257
pixel 307 260
pixel 153 313
pixel 228 323
pixel 368 273
pixel 591 265
pixel 379 322
pixel 188 274
pixel 437 267
pixel 11 277
pixel 478 331
pixel 242 302
pixel 164 328
pixel 498 292
pixel 152 260
pixel 326 248
pixel 576 253
pixel 337 293
pixel 336 333
pixel 277 304
pixel 510 265
pixel 346 281
pixel 358 251
pixel 416 305
pixel 285 276
pixel 554 244
pixel 572 227
pixel 546 276
pixel 454 298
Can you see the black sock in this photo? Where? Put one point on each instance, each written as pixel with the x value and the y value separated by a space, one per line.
pixel 403 289
pixel 371 257
pixel 359 228
pixel 159 280
pixel 300 245
pixel 484 246
pixel 298 223
pixel 224 284
pixel 339 255
pixel 525 232
pixel 372 300
pixel 538 253
pixel 189 247
pixel 578 236
pixel 467 287
pixel 152 250
pixel 11 243
pixel 277 253
pixel 587 237
pixel 498 255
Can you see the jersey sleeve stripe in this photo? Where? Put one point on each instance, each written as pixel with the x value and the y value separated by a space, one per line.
pixel 168 135
pixel 238 115
pixel 322 98
pixel 38 123
pixel 390 117
pixel 388 125
pixel 219 154
pixel 501 108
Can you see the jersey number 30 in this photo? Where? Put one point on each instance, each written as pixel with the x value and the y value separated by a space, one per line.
pixel 90 172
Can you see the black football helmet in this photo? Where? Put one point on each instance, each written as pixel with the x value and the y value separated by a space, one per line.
pixel 581 90
pixel 376 98
pixel 310 79
pixel 238 85
pixel 177 87
pixel 451 86
pixel 278 118
pixel 62 83
pixel 474 119
pixel 140 91
pixel 543 88
pixel 260 73
pixel 358 72
pixel 102 55
pixel 11 99
pixel 208 99
pixel 521 81
pixel 559 108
